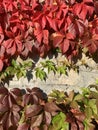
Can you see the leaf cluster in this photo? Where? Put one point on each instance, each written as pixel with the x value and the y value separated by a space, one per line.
pixel 16 69
pixel 47 67
pixel 22 67
pixel 31 27
pixel 34 110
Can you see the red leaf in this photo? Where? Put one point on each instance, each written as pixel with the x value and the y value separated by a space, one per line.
pixel 7 43
pixel 15 108
pixel 9 121
pixel 12 49
pixel 23 126
pixel 10 5
pixel 47 118
pixel 16 118
pixel 38 32
pixel 73 44
pixel 61 22
pixel 77 9
pixel 14 18
pixel 51 107
pixel 45 37
pixel 26 99
pixel 2 52
pixel 69 36
pixel 90 9
pixel 16 92
pixel 65 45
pixel 28 45
pixel 92 45
pixel 18 45
pixel 52 23
pixel 74 126
pixel 72 28
pixel 3 90
pixel 4 119
pixel 34 4
pixel 81 10
pixel 25 52
pixel 96 7
pixel 32 110
pixel 95 37
pixel 80 27
pixel 72 2
pixel 43 50
pixel 36 120
pixel 2 10
pixel 1 35
pixel 9 34
pixel 43 22
pixel 1 65
pixel 39 37
pixel 3 108
pixel 1 127
pixel 88 1
pixel 37 29
pixel 57 38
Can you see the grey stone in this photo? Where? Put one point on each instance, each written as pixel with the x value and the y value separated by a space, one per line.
pixel 72 81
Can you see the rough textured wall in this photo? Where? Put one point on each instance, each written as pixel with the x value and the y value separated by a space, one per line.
pixel 72 81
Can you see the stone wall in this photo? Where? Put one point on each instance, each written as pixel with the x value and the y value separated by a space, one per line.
pixel 72 81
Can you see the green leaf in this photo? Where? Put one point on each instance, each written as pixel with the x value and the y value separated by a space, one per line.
pixel 42 76
pixel 88 125
pixel 71 95
pixel 74 104
pixel 59 123
pixel 97 104
pixel 5 74
pixel 43 64
pixel 37 73
pixel 88 112
pixel 28 64
pixel 10 70
pixel 40 73
pixel 85 101
pixel 19 75
pixel 85 92
pixel 92 104
pixel 94 94
pixel 14 64
pixel 22 119
pixel 97 81
pixel 49 65
pixel 61 69
pixel 59 96
pixel 78 97
pixel 51 68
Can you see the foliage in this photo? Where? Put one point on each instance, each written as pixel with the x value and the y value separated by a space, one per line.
pixel 23 68
pixel 47 66
pixel 58 122
pixel 40 73
pixel 16 68
pixel 33 27
pixel 32 109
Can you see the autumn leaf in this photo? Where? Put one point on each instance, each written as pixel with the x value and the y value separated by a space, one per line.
pixel 1 65
pixel 65 45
